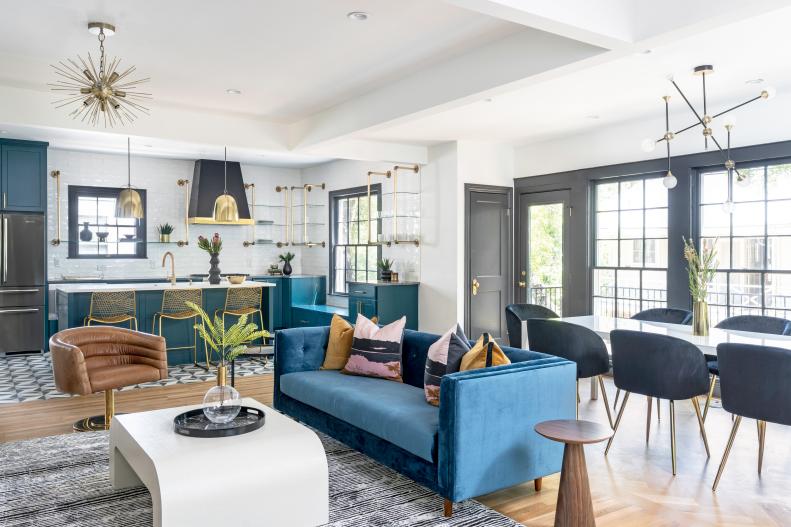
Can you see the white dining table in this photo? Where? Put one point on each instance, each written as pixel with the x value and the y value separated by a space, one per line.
pixel 602 326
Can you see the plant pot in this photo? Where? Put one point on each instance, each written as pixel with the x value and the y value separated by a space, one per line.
pixel 164 238
pixel 222 403
pixel 385 276
pixel 287 268
pixel 214 270
pixel 700 318
pixel 85 234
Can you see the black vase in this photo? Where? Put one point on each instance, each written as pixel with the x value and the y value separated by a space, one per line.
pixel 287 268
pixel 85 234
pixel 214 270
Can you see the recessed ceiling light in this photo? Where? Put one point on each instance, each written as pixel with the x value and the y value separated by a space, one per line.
pixel 593 116
pixel 147 146
pixel 357 16
pixel 488 99
pixel 233 91
pixel 754 81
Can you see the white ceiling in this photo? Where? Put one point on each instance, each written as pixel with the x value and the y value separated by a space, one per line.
pixel 623 89
pixel 289 58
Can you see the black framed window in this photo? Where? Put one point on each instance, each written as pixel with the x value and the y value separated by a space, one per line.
pixel 630 226
pixel 95 232
pixel 351 257
pixel 749 222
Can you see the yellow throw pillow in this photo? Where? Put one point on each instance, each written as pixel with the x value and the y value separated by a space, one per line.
pixel 339 346
pixel 485 353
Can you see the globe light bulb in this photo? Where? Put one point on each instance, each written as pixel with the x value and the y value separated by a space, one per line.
pixel 743 181
pixel 669 181
pixel 769 92
pixel 727 207
pixel 648 145
pixel 729 120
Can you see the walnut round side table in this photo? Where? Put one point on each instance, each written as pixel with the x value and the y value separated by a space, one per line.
pixel 575 507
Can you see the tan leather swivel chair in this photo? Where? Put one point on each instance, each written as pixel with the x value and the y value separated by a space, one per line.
pixel 102 358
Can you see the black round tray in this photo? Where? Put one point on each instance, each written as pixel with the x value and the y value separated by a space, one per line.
pixel 195 423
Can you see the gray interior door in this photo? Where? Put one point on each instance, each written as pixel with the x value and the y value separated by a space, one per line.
pixel 544 249
pixel 488 252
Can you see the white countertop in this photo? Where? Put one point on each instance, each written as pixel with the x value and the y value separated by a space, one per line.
pixel 152 286
pixel 603 325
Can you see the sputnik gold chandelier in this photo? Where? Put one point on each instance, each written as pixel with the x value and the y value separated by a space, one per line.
pixel 97 91
pixel 705 121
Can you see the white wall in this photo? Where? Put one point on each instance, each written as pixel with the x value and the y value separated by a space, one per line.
pixel 165 203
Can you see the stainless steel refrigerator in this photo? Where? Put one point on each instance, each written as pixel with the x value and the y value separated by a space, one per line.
pixel 23 267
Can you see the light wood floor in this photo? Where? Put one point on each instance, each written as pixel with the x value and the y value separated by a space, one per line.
pixel 633 485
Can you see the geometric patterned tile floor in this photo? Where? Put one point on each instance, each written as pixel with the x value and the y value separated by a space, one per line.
pixel 29 377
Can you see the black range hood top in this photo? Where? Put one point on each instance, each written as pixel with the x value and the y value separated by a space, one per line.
pixel 208 183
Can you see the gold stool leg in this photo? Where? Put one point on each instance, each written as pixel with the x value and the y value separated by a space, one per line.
pixel 727 452
pixel 98 422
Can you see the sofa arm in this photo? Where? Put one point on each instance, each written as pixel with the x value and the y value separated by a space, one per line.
pixel 299 349
pixel 486 419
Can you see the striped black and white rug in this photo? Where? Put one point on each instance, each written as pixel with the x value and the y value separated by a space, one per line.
pixel 64 481
pixel 28 377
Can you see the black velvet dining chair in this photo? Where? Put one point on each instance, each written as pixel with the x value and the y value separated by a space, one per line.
pixel 575 343
pixel 753 323
pixel 660 366
pixel 515 314
pixel 668 315
pixel 754 384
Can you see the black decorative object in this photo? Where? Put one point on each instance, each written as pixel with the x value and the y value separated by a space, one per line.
pixel 214 270
pixel 287 270
pixel 85 234
pixel 103 236
pixel 195 423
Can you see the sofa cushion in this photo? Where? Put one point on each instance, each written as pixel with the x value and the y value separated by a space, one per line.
pixel 395 412
pixel 376 352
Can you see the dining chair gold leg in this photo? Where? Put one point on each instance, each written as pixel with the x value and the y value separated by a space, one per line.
pixel 617 422
pixel 578 399
pixel 604 398
pixel 617 395
pixel 727 452
pixel 709 396
pixel 648 419
pixel 761 443
pixel 673 433
pixel 658 410
pixel 701 425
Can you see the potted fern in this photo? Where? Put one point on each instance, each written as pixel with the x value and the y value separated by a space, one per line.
pixel 385 266
pixel 701 269
pixel 222 402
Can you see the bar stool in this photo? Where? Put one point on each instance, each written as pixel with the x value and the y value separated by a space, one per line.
pixel 112 307
pixel 174 307
pixel 242 301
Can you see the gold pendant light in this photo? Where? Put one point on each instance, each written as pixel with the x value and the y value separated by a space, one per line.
pixel 225 208
pixel 129 204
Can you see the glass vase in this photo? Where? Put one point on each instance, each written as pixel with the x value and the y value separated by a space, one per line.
pixel 700 318
pixel 222 403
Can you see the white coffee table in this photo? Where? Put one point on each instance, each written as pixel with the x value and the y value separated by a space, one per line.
pixel 276 475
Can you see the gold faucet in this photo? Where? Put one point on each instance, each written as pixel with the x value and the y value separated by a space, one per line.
pixel 172 276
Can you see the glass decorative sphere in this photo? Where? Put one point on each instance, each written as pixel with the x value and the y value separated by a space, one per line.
pixel 648 145
pixel 669 181
pixel 221 404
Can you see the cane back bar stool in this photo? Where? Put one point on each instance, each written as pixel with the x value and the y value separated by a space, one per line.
pixel 243 301
pixel 174 307
pixel 112 307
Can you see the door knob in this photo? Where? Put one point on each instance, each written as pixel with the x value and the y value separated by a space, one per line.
pixel 522 284
pixel 475 286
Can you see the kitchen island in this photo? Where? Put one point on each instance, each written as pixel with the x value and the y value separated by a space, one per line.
pixel 74 303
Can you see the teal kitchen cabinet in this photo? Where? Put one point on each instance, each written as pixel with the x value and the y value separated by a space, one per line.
pixel 291 291
pixel 387 300
pixel 23 176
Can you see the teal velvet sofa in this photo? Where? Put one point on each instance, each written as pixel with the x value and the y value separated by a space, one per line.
pixel 479 440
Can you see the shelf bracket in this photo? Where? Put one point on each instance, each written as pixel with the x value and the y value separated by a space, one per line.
pixel 186 240
pixel 55 174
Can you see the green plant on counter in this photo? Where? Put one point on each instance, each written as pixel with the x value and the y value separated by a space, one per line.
pixel 211 246
pixel 385 264
pixel 230 342
pixel 287 257
pixel 165 228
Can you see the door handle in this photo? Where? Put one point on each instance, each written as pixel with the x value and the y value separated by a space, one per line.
pixel 5 250
pixel 475 286
pixel 31 310
pixel 7 291
pixel 522 284
pixel 5 200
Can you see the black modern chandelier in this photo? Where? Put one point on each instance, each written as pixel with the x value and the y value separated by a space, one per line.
pixel 705 120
